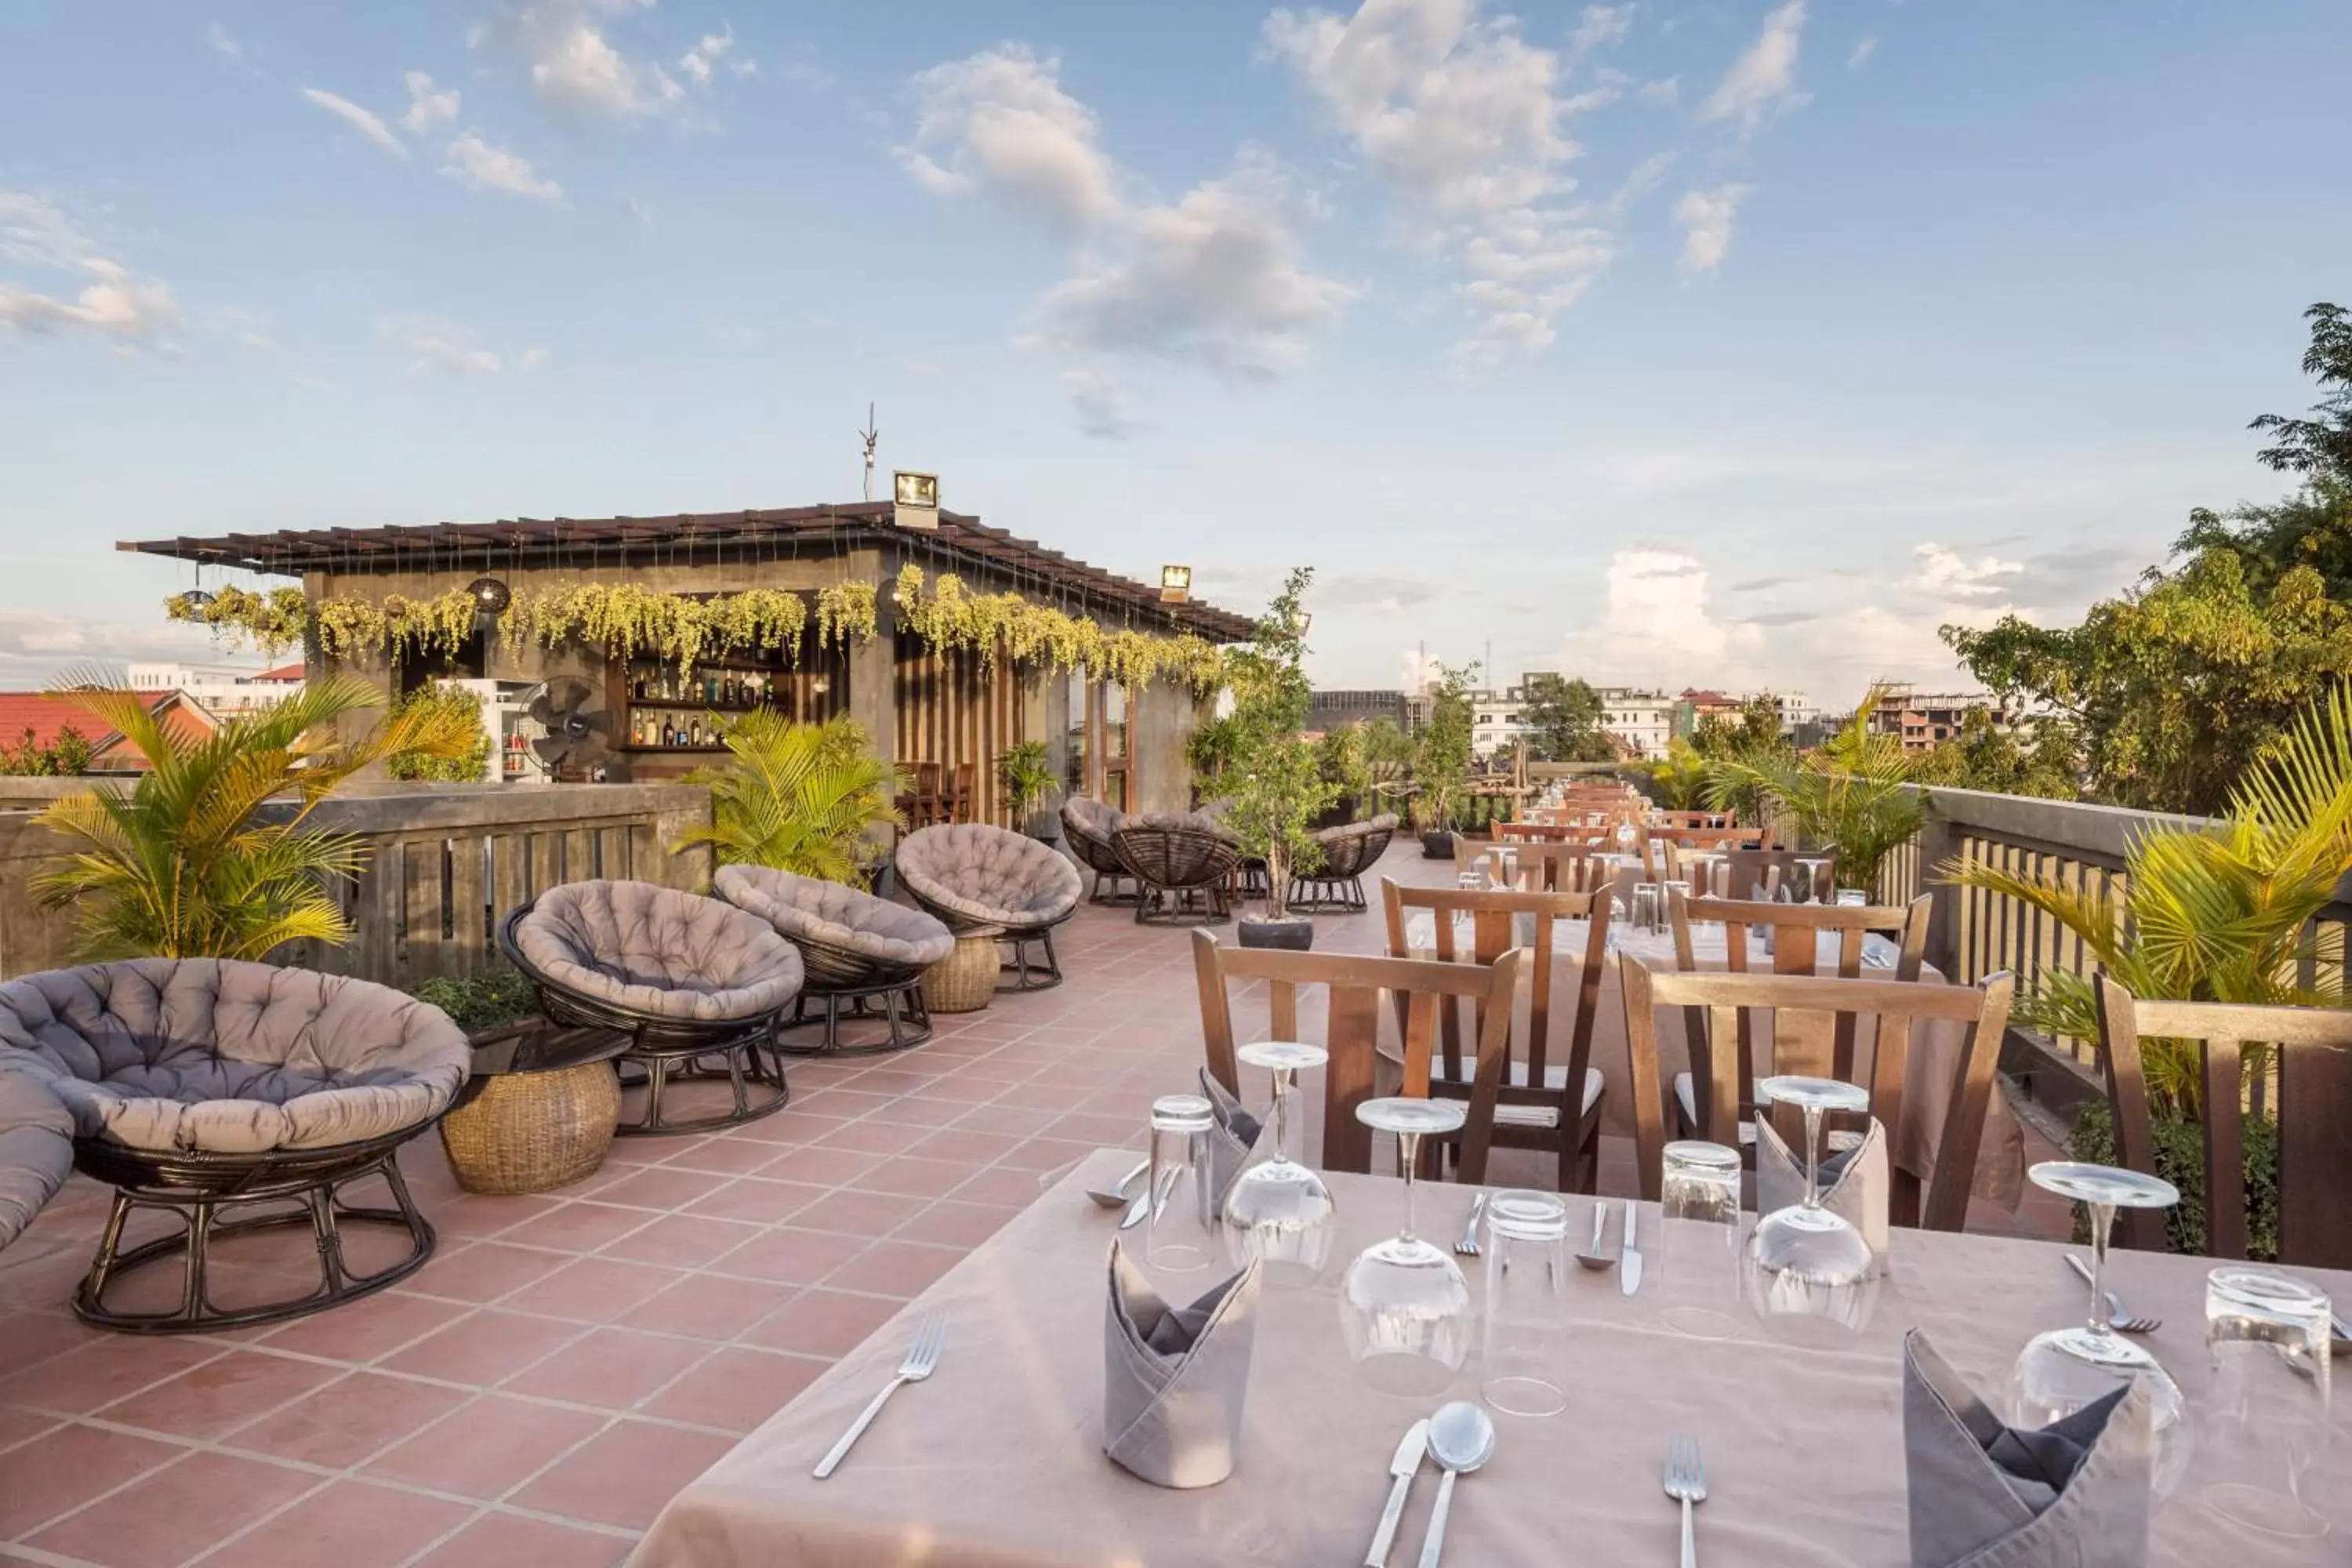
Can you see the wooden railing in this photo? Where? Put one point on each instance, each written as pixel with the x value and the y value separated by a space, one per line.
pixel 446 862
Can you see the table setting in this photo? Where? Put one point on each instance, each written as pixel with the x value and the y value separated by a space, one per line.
pixel 1317 1372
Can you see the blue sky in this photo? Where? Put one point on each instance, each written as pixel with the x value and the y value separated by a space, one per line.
pixel 1740 343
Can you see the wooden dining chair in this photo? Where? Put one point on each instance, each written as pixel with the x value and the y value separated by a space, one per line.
pixel 1808 1015
pixel 1796 931
pixel 1551 868
pixel 1549 1098
pixel 1708 819
pixel 929 796
pixel 1538 833
pixel 1352 1033
pixel 2307 1051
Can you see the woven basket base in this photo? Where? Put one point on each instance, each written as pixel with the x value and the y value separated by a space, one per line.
pixel 964 981
pixel 534 1131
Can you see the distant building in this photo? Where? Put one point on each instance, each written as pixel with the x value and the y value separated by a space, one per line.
pixel 1925 720
pixel 1643 722
pixel 1329 710
pixel 225 688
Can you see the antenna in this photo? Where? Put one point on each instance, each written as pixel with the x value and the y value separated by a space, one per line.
pixel 868 437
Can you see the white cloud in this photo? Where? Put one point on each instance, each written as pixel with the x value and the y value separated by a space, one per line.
pixel 1599 26
pixel 1100 406
pixel 480 166
pixel 442 345
pixel 1863 49
pixel 1763 81
pixel 36 644
pixel 1663 93
pixel 1463 120
pixel 34 232
pixel 1656 623
pixel 699 61
pixel 637 209
pixel 358 119
pixel 1944 574
pixel 1706 217
pixel 530 359
pixel 576 71
pixel 249 327
pixel 998 122
pixel 428 107
pixel 224 46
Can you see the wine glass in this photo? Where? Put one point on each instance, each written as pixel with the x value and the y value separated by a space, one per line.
pixel 1808 885
pixel 2266 1418
pixel 1404 1308
pixel 1810 1274
pixel 2060 1371
pixel 1277 1210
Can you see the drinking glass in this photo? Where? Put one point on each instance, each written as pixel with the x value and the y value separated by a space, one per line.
pixel 1181 1237
pixel 1507 866
pixel 1811 1275
pixel 1698 1250
pixel 1627 837
pixel 1647 899
pixel 1667 891
pixel 1277 1210
pixel 1712 878
pixel 2061 1369
pixel 1852 898
pixel 2263 1454
pixel 1526 1264
pixel 1404 1308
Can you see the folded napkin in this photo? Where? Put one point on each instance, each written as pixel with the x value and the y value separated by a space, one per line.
pixel 1174 1377
pixel 1232 1140
pixel 1856 1183
pixel 2073 1494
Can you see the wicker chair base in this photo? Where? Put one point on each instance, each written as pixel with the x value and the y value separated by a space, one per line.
pixel 1253 883
pixel 534 1131
pixel 737 1061
pixel 1203 905
pixel 1028 974
pixel 901 1003
pixel 964 981
pixel 1116 898
pixel 1329 895
pixel 196 1188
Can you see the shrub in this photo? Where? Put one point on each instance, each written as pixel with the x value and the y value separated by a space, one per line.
pixel 449 705
pixel 2180 1160
pixel 480 1001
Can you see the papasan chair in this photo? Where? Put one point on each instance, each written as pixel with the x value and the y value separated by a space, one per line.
pixel 1090 825
pixel 200 1085
pixel 982 880
pixel 688 979
pixel 1184 861
pixel 856 948
pixel 1338 884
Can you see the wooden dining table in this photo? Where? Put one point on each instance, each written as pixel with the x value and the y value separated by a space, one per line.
pixel 996 1460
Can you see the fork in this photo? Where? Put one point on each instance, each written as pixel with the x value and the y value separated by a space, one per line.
pixel 1468 1245
pixel 921 1357
pixel 1685 1482
pixel 2123 1322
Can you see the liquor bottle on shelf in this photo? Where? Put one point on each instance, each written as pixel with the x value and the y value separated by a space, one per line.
pixel 768 689
pixel 694 732
pixel 667 738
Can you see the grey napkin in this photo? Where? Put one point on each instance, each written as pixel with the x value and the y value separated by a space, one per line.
pixel 1230 1141
pixel 1174 1377
pixel 2073 1494
pixel 1856 1183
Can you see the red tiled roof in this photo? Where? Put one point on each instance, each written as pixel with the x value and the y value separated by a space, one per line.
pixel 46 714
pixel 283 672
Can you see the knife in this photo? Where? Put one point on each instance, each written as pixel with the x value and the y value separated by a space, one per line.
pixel 1628 1256
pixel 1404 1466
pixel 1142 1204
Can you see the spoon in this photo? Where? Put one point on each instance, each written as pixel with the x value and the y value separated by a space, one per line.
pixel 1461 1439
pixel 1115 1197
pixel 1593 1257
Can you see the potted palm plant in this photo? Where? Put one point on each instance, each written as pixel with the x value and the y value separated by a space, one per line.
pixel 1273 775
pixel 1852 797
pixel 1027 781
pixel 798 797
pixel 1441 763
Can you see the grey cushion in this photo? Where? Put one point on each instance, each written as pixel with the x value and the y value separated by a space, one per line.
pixel 35 1146
pixel 659 950
pixel 215 1055
pixel 812 909
pixel 985 876
pixel 1384 823
pixel 1083 814
pixel 1199 821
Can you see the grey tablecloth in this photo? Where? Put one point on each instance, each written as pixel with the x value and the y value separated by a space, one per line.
pixel 996 1461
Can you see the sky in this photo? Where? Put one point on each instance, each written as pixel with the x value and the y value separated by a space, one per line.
pixel 1739 344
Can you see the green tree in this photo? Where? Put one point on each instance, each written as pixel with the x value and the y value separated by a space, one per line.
pixel 1441 758
pixel 463 712
pixel 2036 757
pixel 68 755
pixel 1679 783
pixel 1563 721
pixel 1752 733
pixel 1278 784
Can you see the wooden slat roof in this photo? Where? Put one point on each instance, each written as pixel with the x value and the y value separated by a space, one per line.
pixel 540 541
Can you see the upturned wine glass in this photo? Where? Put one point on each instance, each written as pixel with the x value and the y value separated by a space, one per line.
pixel 2061 1369
pixel 1810 1274
pixel 1404 1307
pixel 1277 1210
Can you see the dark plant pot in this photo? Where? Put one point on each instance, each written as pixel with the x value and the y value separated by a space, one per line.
pixel 1293 934
pixel 1437 846
pixel 1045 826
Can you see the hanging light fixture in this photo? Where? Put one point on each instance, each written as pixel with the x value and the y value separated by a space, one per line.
pixel 196 598
pixel 490 594
pixel 1175 585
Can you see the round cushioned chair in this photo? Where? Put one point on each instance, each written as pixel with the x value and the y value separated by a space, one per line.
pixel 686 978
pixel 1347 851
pixel 856 948
pixel 200 1085
pixel 1090 825
pixel 1185 864
pixel 983 880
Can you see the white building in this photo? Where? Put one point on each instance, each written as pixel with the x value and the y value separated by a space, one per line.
pixel 221 688
pixel 1796 709
pixel 1644 721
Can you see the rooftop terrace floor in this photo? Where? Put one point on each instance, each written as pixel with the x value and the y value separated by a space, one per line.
pixel 565 1363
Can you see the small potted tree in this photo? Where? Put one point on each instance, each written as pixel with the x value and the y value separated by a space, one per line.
pixel 1441 763
pixel 1027 781
pixel 1273 775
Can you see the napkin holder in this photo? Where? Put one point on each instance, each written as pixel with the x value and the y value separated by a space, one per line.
pixel 1232 1137
pixel 1175 1379
pixel 1857 1183
pixel 2074 1494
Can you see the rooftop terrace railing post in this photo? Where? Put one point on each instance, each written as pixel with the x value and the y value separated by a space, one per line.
pixel 1938 841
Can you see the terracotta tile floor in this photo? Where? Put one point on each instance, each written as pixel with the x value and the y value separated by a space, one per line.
pixel 565 1363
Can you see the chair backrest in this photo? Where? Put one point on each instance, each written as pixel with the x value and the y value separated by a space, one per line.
pixel 2307 1053
pixel 1711 819
pixel 1538 833
pixel 1352 1033
pixel 1549 867
pixel 1494 919
pixel 1809 1013
pixel 927 778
